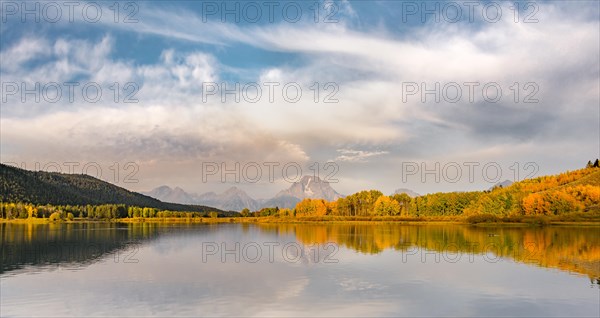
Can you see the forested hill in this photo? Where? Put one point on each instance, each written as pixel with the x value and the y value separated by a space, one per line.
pixel 572 194
pixel 38 187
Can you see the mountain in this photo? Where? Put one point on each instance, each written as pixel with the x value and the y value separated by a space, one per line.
pixel 308 187
pixel 502 184
pixel 282 201
pixel 311 187
pixel 167 194
pixel 410 193
pixel 235 199
pixel 39 187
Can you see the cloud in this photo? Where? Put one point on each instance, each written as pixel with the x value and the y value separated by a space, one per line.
pixel 366 67
pixel 357 155
pixel 25 50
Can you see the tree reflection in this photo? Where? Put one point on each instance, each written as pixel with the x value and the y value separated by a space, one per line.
pixel 573 249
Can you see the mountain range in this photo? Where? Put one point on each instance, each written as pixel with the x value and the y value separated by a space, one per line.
pixel 40 187
pixel 235 199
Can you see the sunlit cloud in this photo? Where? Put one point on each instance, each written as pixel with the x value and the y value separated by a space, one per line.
pixel 357 155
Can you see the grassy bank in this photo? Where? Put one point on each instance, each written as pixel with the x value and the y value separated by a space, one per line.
pixel 122 220
pixel 587 219
pixel 576 219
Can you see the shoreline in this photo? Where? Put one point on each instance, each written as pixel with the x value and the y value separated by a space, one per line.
pixel 532 221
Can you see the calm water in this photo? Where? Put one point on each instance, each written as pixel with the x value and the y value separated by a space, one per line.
pixel 298 270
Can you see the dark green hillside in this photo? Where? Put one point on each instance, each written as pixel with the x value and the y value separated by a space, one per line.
pixel 38 187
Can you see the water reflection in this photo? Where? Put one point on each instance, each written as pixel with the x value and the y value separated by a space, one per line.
pixel 74 244
pixel 573 249
pixel 161 270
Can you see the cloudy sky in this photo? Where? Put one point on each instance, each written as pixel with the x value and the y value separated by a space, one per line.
pixel 435 96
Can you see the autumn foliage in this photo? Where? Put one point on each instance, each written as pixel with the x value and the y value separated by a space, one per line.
pixel 569 192
pixel 311 207
pixel 562 200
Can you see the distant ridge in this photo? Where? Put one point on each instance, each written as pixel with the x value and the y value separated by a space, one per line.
pixel 409 192
pixel 502 184
pixel 308 187
pixel 39 187
pixel 235 199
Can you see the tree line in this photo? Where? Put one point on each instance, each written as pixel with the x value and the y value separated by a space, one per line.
pixel 565 193
pixel 9 210
pixel 574 191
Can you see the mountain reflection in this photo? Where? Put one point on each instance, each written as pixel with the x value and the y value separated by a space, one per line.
pixel 572 249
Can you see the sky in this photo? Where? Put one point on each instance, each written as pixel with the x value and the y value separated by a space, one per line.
pixel 204 95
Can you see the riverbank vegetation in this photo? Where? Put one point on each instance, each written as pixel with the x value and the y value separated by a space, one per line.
pixel 568 197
